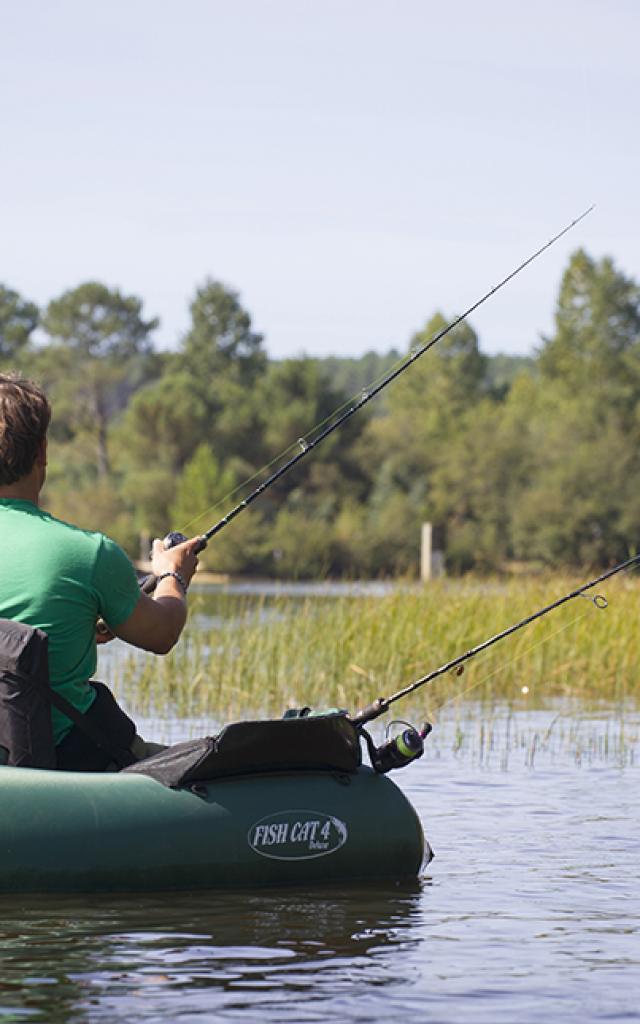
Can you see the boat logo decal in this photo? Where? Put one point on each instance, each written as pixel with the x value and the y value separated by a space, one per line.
pixel 297 835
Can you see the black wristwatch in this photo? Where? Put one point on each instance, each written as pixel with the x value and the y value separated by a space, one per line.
pixel 177 576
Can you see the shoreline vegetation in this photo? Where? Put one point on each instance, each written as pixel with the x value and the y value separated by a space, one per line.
pixel 257 655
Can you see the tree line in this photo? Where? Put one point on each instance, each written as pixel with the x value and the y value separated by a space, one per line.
pixel 528 460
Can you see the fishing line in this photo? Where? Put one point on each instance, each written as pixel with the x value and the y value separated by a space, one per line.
pixel 505 664
pixel 307 443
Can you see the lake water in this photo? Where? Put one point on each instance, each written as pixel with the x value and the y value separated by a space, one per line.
pixel 529 912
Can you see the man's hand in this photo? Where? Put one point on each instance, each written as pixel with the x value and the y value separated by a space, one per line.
pixel 182 558
pixel 157 621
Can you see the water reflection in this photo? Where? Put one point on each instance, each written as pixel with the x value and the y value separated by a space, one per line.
pixel 175 956
pixel 531 911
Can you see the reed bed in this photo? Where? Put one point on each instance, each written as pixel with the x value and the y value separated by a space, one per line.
pixel 503 737
pixel 261 655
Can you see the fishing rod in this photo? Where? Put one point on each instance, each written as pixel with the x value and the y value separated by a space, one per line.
pixel 379 706
pixel 307 446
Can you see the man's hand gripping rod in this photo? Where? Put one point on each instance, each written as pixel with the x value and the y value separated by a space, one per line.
pixel 148 584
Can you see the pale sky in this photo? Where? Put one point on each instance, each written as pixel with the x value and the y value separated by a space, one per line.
pixel 348 166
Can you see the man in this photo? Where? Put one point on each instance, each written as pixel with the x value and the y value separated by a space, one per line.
pixel 62 580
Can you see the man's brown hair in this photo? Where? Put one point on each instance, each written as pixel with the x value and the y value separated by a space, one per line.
pixel 24 419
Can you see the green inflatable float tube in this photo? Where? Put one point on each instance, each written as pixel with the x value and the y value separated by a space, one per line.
pixel 264 803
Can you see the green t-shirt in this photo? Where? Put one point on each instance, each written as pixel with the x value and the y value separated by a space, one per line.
pixel 60 579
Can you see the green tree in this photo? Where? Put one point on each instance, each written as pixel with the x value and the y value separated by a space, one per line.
pixel 581 502
pixel 503 370
pixel 18 320
pixel 223 358
pixel 221 338
pixel 301 546
pixel 479 477
pixel 205 491
pixel 203 397
pixel 163 424
pixel 595 350
pixel 153 441
pixel 425 413
pixel 202 486
pixel 296 402
pixel 100 353
pixel 350 375
pixel 582 497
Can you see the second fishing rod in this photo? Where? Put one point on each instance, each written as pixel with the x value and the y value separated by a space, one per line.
pixel 407 746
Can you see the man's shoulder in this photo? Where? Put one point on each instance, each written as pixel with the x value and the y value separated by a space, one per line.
pixel 89 539
pixel 91 544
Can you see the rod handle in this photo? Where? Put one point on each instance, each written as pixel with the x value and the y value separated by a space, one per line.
pixel 371 711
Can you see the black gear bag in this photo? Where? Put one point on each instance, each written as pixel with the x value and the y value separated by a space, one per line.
pixel 101 737
pixel 26 735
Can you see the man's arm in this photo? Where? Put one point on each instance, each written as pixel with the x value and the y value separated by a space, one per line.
pixel 157 622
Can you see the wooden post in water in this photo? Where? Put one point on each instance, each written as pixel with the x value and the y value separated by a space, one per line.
pixel 431 552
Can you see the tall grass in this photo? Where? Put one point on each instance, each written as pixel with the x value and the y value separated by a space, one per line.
pixel 501 737
pixel 262 655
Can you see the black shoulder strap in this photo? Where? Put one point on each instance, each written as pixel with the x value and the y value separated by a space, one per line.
pixel 86 726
